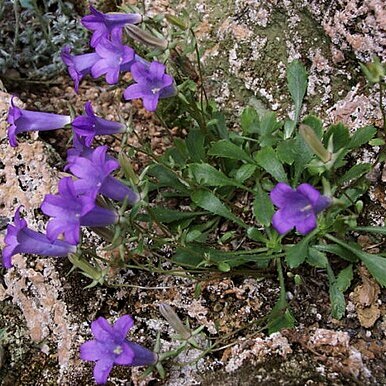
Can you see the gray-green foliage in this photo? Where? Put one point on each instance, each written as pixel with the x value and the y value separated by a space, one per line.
pixel 33 35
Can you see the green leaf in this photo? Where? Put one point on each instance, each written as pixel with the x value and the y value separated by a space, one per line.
pixel 280 317
pixel 166 178
pixel 374 263
pixel 380 230
pixel 268 160
pixel 206 174
pixel 341 136
pixel 208 201
pixel 316 258
pixel 344 278
pixel 227 149
pixel 223 267
pixel 361 136
pixel 268 125
pixel 167 216
pixel 377 142
pixel 298 253
pixel 354 173
pixel 285 151
pixel 297 84
pixel 245 172
pixel 195 144
pixel 303 156
pixel 338 303
pixel 250 120
pixel 28 4
pixel 255 235
pixel 337 250
pixel 315 123
pixel 262 207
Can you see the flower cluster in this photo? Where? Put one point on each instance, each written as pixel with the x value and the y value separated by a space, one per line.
pixel 111 57
pixel 74 205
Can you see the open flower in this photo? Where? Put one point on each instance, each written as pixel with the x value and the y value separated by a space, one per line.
pixel 110 347
pixel 297 208
pixel 152 84
pixel 104 25
pixel 20 239
pixel 90 125
pixel 78 65
pixel 94 171
pixel 70 210
pixel 114 57
pixel 25 120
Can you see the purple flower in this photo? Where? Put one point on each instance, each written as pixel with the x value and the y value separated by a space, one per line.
pixel 114 57
pixel 79 65
pixel 152 84
pixel 104 25
pixel 20 239
pixel 24 120
pixel 70 210
pixel 93 171
pixel 90 125
pixel 110 347
pixel 297 208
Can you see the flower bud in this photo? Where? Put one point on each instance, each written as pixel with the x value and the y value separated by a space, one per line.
pixel 315 143
pixel 145 37
pixel 169 314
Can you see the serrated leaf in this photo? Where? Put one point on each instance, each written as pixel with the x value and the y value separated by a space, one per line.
pixel 208 201
pixel 361 136
pixel 316 258
pixel 227 149
pixel 374 263
pixel 268 125
pixel 167 216
pixel 262 207
pixel 297 84
pixel 268 160
pixel 206 174
pixel 380 230
pixel 343 280
pixel 337 250
pixel 255 235
pixel 303 156
pixel 195 144
pixel 250 120
pixel 354 173
pixel 341 136
pixel 245 172
pixel 285 151
pixel 298 253
pixel 338 303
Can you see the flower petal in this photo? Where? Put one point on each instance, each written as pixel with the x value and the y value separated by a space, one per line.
pixel 307 224
pixel 127 355
pixel 279 194
pixel 92 351
pixel 281 223
pixel 122 325
pixel 102 370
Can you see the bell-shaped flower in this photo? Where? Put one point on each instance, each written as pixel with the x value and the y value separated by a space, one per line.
pixel 70 211
pixel 114 57
pixel 297 208
pixel 110 347
pixel 94 171
pixel 89 125
pixel 152 84
pixel 20 239
pixel 104 25
pixel 21 120
pixel 79 65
